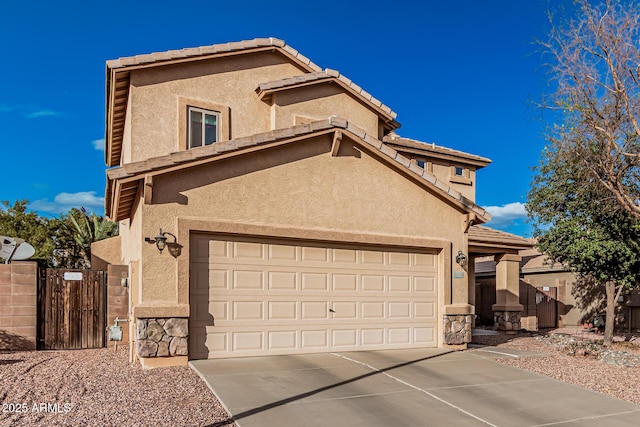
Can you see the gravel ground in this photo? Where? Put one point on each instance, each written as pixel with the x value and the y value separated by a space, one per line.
pixel 100 388
pixel 577 357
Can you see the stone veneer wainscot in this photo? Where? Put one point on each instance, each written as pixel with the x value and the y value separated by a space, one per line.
pixel 161 337
pixel 457 329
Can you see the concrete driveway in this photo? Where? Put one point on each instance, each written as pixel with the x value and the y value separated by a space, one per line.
pixel 402 388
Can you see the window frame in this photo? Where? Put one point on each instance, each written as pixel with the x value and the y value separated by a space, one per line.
pixel 464 178
pixel 224 128
pixel 205 112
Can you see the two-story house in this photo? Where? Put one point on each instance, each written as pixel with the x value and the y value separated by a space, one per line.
pixel 295 219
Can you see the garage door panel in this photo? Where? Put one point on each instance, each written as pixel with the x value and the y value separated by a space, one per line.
pixel 283 310
pixel 345 310
pixel 348 256
pixel 372 337
pixel 315 281
pixel 283 253
pixel 373 258
pixel 250 280
pixel 373 310
pixel 314 310
pixel 399 283
pixel 247 341
pixel 399 309
pixel 253 296
pixel 399 258
pixel 424 284
pixel 283 280
pixel 424 335
pixel 373 283
pixel 315 339
pixel 248 310
pixel 344 337
pixel 425 310
pixel 345 282
pixel 399 336
pixel 315 254
pixel 282 340
pixel 425 260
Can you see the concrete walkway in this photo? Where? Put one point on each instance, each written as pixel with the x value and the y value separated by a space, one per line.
pixel 402 388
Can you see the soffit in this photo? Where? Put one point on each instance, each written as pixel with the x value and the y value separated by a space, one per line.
pixel 123 183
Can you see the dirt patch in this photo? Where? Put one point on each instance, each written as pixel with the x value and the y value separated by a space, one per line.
pixel 100 388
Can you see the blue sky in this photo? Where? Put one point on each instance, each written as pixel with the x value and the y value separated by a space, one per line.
pixel 462 74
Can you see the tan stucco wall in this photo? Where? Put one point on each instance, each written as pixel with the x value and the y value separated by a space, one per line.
pixel 568 312
pixel 301 187
pixel 319 102
pixel 443 171
pixel 229 81
pixel 105 252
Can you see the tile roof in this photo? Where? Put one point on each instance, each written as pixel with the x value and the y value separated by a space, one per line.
pixel 195 52
pixel 480 235
pixel 322 76
pixel 135 172
pixel 396 140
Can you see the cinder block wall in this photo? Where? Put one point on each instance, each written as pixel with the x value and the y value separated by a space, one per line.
pixel 117 300
pixel 18 305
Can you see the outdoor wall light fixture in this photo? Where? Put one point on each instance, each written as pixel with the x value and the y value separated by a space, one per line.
pixel 461 259
pixel 160 240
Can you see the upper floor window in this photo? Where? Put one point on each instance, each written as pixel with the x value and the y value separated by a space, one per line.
pixel 421 163
pixel 458 171
pixel 204 127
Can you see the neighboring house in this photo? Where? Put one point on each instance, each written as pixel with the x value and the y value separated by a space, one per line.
pixel 549 296
pixel 296 219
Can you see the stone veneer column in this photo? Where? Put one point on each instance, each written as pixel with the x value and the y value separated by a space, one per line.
pixel 507 309
pixel 457 329
pixel 161 337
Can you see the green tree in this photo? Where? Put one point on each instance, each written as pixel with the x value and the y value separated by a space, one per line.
pixel 593 62
pixel 584 228
pixel 16 221
pixel 76 232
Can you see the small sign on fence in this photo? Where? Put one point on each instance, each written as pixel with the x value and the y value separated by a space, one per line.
pixel 73 275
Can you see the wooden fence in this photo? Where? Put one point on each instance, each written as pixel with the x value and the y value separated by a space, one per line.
pixel 71 309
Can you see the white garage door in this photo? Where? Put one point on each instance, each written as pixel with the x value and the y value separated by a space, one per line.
pixel 258 296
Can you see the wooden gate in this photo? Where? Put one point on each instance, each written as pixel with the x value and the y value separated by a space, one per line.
pixel 546 306
pixel 71 309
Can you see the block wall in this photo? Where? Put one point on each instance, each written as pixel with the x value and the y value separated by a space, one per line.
pixel 18 305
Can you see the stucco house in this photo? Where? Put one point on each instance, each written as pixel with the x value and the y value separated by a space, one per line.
pixel 296 219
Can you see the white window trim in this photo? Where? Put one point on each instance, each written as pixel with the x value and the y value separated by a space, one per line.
pixel 204 111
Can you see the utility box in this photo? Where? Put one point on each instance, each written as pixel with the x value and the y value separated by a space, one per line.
pixel 115 333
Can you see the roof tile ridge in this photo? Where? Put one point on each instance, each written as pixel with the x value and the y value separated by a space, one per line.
pixel 496 231
pixel 434 146
pixel 366 95
pixel 232 46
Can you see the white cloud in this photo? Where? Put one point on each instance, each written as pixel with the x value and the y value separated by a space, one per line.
pixel 43 113
pixel 503 216
pixel 65 201
pixel 98 144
